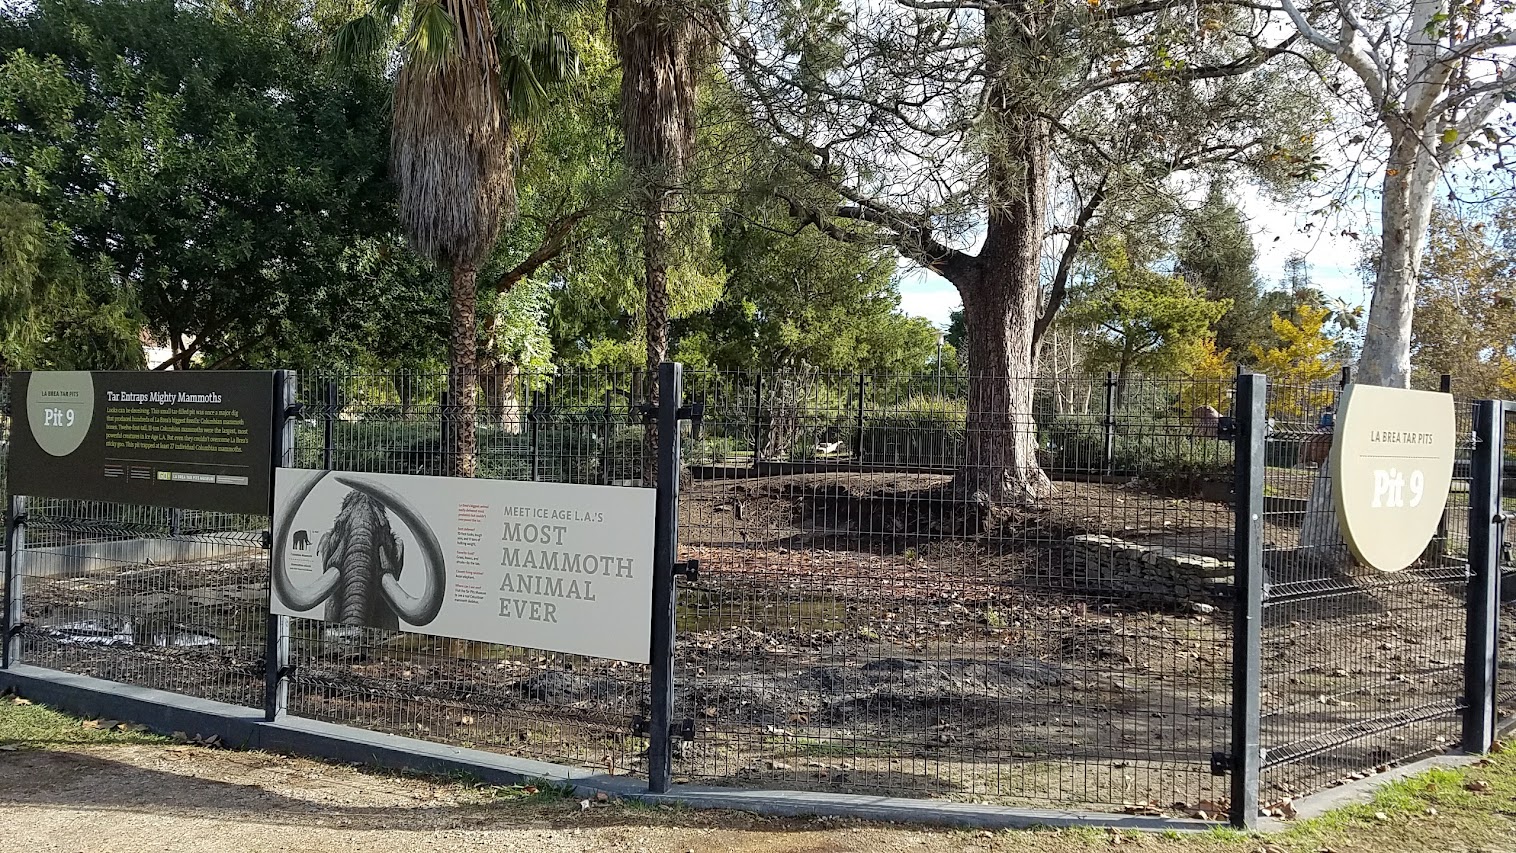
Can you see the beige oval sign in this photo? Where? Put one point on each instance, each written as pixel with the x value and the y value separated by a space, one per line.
pixel 1392 467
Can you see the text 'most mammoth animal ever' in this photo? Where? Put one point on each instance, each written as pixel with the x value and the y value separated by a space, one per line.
pixel 548 566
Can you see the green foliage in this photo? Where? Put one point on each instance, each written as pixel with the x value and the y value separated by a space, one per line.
pixel 1298 364
pixel 1465 321
pixel 1135 319
pixel 52 314
pixel 515 331
pixel 211 163
pixel 1211 374
pixel 1215 253
pixel 794 298
pixel 1147 444
pixel 922 430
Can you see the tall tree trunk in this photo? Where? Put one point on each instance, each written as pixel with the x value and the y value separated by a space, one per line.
pixel 405 390
pixel 1405 210
pixel 1000 288
pixel 1123 372
pixel 655 247
pixel 462 378
pixel 497 379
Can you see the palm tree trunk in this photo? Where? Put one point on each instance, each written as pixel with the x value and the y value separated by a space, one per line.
pixel 462 379
pixel 655 246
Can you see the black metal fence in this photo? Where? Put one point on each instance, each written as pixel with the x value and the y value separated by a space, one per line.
pixel 858 625
pixel 1360 669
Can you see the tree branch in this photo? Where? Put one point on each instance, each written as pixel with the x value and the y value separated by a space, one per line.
pixel 1060 286
pixel 181 359
pixel 553 242
pixel 1200 72
pixel 1499 86
pixel 1343 48
pixel 1475 117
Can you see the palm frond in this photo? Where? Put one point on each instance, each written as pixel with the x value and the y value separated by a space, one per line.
pixel 432 38
pixel 360 38
pixel 532 59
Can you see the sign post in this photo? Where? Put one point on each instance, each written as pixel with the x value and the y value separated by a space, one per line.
pixel 1392 468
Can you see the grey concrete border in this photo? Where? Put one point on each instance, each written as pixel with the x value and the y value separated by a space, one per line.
pixel 245 728
pixel 86 557
pixel 1361 791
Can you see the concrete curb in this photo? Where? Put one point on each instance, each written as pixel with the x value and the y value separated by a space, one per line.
pixel 1361 792
pixel 245 728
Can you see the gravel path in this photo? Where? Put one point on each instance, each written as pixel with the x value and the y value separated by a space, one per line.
pixel 138 799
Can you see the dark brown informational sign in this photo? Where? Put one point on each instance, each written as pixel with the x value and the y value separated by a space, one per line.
pixel 188 439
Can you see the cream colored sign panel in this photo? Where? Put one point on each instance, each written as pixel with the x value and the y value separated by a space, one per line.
pixel 1392 466
pixel 551 566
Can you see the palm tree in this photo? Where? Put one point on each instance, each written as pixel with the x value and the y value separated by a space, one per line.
pixel 663 46
pixel 466 67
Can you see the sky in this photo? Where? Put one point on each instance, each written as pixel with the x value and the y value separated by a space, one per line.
pixel 1278 232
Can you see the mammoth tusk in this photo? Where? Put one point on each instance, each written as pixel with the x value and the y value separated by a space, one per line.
pixel 294 597
pixel 414 609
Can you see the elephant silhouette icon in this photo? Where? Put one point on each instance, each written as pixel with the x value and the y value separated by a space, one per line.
pixel 302 540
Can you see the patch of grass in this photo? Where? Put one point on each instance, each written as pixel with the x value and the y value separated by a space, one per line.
pixel 25 725
pixel 531 793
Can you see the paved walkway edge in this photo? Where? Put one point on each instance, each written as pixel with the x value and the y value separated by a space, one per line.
pixel 245 728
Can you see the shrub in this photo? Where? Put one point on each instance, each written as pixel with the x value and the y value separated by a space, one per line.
pixel 922 431
pixel 1148 446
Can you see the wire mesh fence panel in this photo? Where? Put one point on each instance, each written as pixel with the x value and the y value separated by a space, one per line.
pixel 582 429
pixel 1360 669
pixel 862 623
pixel 155 597
pixel 1505 676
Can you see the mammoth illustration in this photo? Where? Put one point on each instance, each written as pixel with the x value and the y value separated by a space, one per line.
pixel 302 540
pixel 360 559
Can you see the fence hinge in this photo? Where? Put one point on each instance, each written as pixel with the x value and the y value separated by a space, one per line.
pixel 19 520
pixel 287 671
pixel 688 569
pixel 1226 428
pixel 266 539
pixel 1221 764
pixel 296 411
pixel 683 730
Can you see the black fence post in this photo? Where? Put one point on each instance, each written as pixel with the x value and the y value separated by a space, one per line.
pixel 1486 534
pixel 15 549
pixel 1439 544
pixel 445 413
pixel 757 419
pixel 328 423
pixel 660 751
pixel 277 632
pixel 534 420
pixel 858 450
pixel 1246 760
pixel 1108 452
